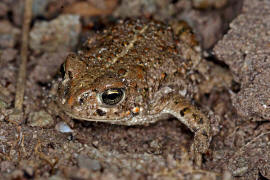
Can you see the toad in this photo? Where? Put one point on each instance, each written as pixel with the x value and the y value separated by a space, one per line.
pixel 135 73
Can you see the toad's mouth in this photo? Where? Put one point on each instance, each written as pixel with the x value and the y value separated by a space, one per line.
pixel 128 120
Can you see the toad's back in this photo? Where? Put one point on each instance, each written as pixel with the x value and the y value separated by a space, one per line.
pixel 149 45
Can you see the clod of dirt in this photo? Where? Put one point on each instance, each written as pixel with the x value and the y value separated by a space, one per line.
pixel 252 158
pixel 246 49
pixel 40 119
pixel 7 55
pixel 47 66
pixel 60 34
pixel 8 34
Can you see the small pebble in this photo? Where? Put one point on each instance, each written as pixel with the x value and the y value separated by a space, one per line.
pixel 63 127
pixel 95 143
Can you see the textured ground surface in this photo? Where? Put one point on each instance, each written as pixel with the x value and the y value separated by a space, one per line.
pixel 32 145
pixel 246 49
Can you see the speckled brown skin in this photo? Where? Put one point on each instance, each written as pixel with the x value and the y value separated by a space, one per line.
pixel 154 71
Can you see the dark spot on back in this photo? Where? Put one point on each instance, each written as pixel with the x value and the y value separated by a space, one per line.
pixel 66 90
pixel 195 116
pixel 204 133
pixel 122 72
pixel 100 112
pixel 195 129
pixel 182 112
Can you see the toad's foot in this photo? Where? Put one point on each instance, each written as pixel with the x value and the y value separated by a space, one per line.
pixel 195 120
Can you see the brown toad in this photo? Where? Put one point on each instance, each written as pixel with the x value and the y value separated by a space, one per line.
pixel 135 73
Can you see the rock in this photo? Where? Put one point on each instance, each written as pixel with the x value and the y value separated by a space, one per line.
pixel 246 49
pixel 40 119
pixel 63 127
pixel 47 66
pixel 60 34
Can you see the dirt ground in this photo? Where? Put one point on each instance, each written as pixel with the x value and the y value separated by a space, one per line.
pixel 43 143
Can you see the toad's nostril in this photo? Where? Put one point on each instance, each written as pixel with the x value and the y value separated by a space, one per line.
pixel 62 71
pixel 70 75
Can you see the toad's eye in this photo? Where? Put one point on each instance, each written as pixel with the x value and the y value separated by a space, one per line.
pixel 112 96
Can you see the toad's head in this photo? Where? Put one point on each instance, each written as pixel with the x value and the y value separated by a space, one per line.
pixel 94 92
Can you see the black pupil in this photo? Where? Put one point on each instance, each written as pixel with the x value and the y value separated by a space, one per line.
pixel 112 96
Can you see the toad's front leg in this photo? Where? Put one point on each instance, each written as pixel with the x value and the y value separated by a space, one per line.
pixel 195 120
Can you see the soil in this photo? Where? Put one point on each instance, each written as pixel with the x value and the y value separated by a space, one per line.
pixel 40 143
